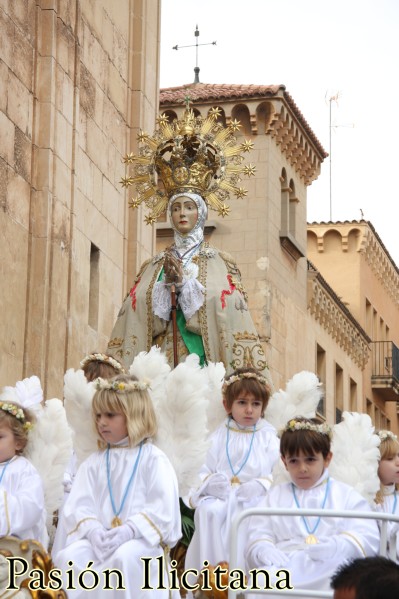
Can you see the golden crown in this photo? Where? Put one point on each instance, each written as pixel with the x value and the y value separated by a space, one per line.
pixel 191 154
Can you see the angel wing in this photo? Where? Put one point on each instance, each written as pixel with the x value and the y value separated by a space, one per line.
pixel 216 414
pixel 356 454
pixel 152 366
pixel 27 393
pixel 78 396
pixel 300 398
pixel 49 448
pixel 181 408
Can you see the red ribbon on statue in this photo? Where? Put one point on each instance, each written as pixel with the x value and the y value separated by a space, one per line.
pixel 133 295
pixel 228 291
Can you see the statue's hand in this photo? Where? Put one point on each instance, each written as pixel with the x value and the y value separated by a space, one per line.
pixel 173 268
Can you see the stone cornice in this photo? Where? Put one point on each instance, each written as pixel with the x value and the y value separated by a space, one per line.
pixel 381 264
pixel 303 155
pixel 326 308
pixel 370 246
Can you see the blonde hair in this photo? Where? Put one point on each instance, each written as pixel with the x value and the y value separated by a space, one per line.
pixel 17 426
pixel 135 404
pixel 389 447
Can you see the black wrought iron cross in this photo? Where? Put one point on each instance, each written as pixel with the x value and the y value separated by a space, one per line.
pixel 196 69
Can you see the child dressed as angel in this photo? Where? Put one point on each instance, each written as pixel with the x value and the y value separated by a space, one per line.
pixel 238 467
pixel 310 548
pixel 388 473
pixel 124 503
pixel 35 445
pixel 22 509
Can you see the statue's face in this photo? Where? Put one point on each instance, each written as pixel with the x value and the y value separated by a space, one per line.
pixel 184 214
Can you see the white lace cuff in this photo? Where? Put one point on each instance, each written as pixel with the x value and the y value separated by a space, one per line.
pixel 191 297
pixel 161 300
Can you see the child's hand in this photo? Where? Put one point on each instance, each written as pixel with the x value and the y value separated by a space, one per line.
pixel 217 485
pixel 336 545
pixel 115 537
pixel 96 538
pixel 323 551
pixel 249 490
pixel 269 555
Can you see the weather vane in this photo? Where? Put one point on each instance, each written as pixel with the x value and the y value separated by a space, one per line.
pixel 196 69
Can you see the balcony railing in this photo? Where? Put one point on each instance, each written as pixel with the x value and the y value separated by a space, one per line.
pixel 385 376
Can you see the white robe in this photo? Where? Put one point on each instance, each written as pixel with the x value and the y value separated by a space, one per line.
pixel 152 506
pixel 22 510
pixel 289 533
pixel 390 506
pixel 213 516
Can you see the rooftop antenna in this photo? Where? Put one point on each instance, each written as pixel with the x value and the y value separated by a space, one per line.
pixel 331 99
pixel 196 69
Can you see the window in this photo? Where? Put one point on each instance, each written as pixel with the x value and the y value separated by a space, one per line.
pixel 352 396
pixel 339 395
pixel 321 373
pixel 369 319
pixel 94 289
pixel 288 207
pixel 292 210
pixel 370 409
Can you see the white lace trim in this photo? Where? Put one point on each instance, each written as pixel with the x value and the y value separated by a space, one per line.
pixel 190 271
pixel 191 297
pixel 161 300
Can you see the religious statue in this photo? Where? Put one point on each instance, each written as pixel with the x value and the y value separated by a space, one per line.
pixel 189 298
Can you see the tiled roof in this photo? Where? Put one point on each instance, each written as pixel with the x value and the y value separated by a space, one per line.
pixel 216 91
pixel 205 92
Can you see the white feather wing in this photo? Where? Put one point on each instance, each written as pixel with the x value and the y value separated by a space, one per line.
pixel 182 417
pixel 216 414
pixel 152 366
pixel 27 393
pixel 356 454
pixel 49 449
pixel 300 398
pixel 78 396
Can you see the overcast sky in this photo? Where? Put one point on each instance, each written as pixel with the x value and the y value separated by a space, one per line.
pixel 316 48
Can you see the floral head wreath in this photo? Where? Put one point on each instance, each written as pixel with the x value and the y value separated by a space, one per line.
pixel 246 375
pixel 300 425
pixel 384 435
pixel 102 358
pixel 121 386
pixel 17 412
